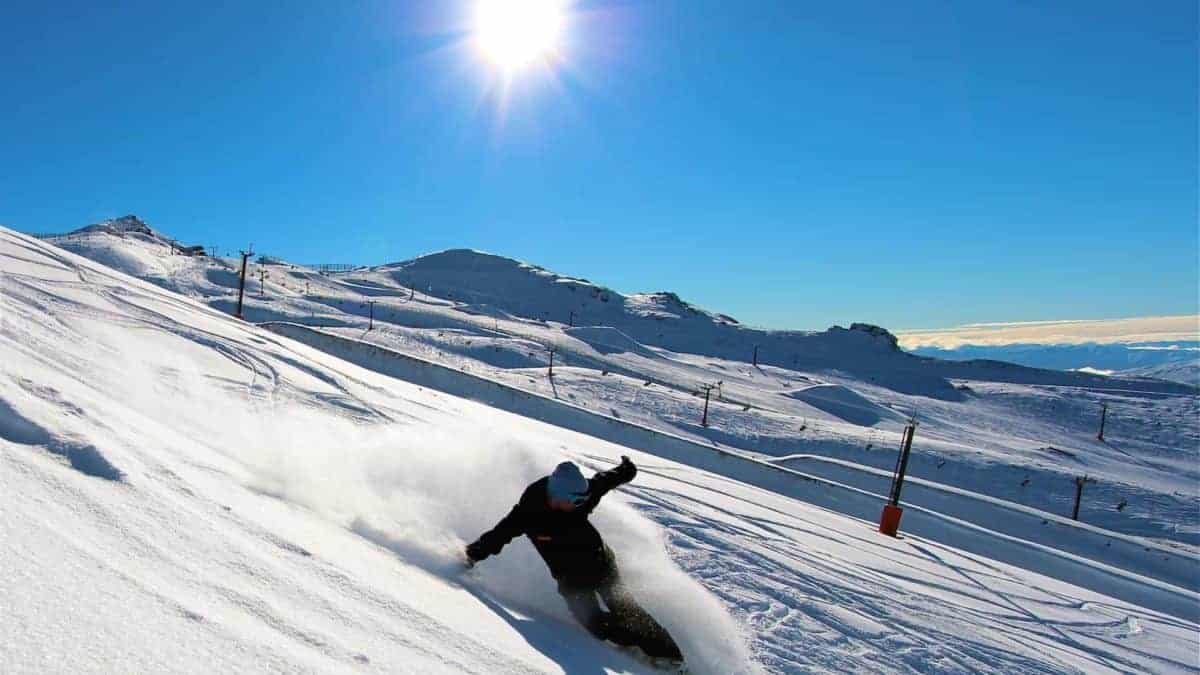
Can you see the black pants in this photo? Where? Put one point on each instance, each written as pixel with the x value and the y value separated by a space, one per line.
pixel 625 622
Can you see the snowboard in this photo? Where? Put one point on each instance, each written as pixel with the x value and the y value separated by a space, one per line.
pixel 659 663
pixel 469 576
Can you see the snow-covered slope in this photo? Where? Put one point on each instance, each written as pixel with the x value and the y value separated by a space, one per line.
pixel 997 429
pixel 183 492
pixel 1185 371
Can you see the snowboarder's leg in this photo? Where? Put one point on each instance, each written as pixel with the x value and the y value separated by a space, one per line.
pixel 631 625
pixel 585 608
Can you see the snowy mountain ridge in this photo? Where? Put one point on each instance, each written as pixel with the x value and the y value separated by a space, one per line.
pixel 660 319
pixel 124 224
pixel 1011 432
pixel 129 224
pixel 486 282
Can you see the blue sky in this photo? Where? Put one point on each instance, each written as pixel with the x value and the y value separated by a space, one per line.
pixel 793 164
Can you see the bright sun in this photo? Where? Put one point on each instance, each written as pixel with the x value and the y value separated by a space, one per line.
pixel 516 33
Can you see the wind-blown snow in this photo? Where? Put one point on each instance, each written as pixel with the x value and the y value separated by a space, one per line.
pixel 449 487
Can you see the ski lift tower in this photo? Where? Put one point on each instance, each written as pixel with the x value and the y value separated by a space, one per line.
pixel 889 520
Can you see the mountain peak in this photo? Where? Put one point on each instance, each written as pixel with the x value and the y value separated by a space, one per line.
pixel 464 257
pixel 127 220
pixel 121 225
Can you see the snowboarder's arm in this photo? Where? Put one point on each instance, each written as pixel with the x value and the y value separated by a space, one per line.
pixel 490 543
pixel 605 481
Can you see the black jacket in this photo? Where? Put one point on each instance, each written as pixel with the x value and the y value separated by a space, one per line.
pixel 570 545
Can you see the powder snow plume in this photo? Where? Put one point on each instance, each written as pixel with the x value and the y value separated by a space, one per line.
pixel 425 493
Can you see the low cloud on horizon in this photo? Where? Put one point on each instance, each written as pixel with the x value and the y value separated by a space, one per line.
pixel 1101 331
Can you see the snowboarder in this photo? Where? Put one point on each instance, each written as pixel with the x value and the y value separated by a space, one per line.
pixel 553 512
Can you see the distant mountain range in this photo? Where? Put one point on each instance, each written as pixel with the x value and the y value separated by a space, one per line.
pixel 1178 361
pixel 477 284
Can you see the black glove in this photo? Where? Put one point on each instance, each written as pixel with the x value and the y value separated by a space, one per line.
pixel 626 469
pixel 475 553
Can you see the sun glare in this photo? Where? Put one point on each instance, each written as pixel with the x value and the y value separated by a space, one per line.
pixel 517 33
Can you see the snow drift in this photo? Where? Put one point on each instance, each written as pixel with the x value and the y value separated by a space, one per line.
pixel 844 404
